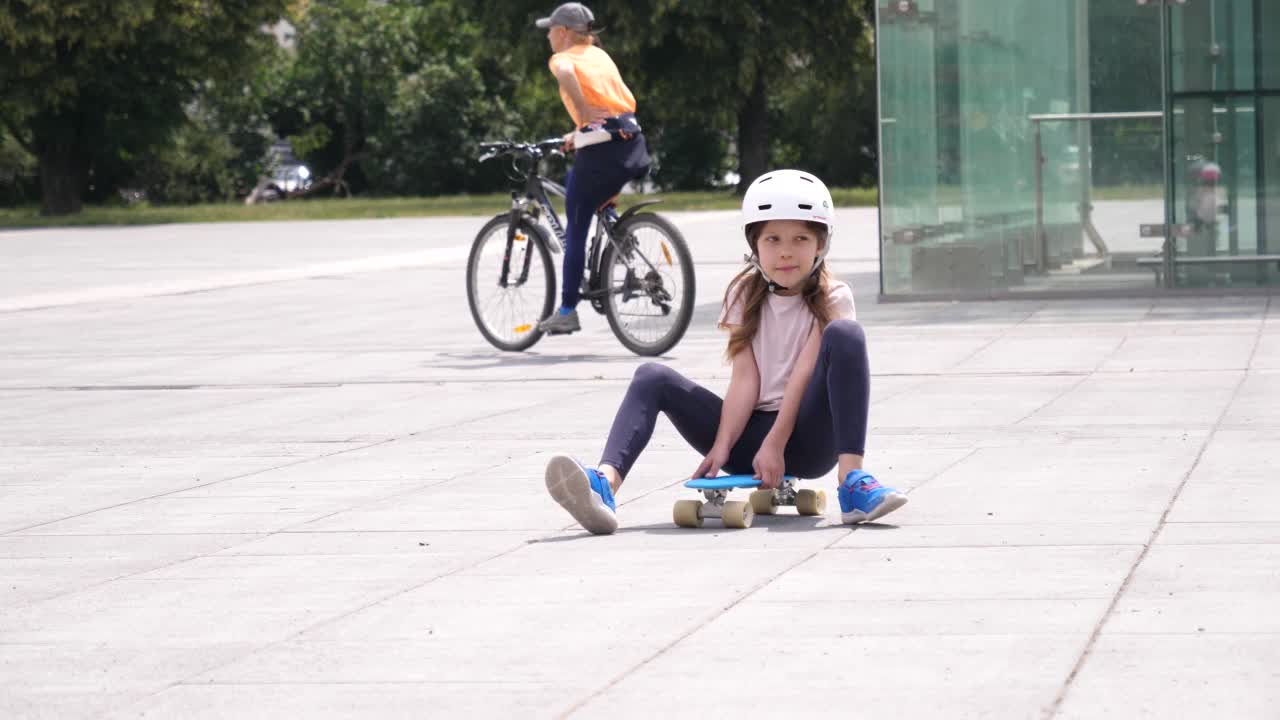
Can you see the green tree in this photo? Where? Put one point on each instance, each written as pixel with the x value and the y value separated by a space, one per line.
pixel 392 97
pixel 725 82
pixel 17 172
pixel 829 127
pixel 85 82
pixel 219 150
pixel 704 56
pixel 690 144
pixel 428 146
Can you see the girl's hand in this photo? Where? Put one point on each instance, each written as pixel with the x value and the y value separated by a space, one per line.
pixel 768 465
pixel 711 464
pixel 568 142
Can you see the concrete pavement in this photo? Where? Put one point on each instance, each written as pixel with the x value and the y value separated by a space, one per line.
pixel 272 470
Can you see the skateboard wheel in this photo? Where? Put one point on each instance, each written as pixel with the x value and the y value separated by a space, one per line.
pixel 687 513
pixel 738 515
pixel 763 502
pixel 811 502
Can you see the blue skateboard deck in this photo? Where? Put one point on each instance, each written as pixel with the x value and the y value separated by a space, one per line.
pixel 725 482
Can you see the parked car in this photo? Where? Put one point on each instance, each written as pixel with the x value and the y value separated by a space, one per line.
pixel 286 179
pixel 287 176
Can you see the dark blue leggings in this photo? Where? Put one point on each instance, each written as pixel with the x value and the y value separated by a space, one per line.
pixel 599 172
pixel 832 417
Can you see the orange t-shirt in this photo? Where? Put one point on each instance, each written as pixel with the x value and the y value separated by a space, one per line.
pixel 601 82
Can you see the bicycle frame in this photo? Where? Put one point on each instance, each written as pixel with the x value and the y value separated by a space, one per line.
pixel 537 193
pixel 535 190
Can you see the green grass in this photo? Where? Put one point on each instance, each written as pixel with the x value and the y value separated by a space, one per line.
pixel 362 208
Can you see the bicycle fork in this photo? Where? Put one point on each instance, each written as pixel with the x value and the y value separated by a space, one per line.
pixel 514 235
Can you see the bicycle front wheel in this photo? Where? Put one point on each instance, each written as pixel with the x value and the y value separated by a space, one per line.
pixel 511 284
pixel 650 284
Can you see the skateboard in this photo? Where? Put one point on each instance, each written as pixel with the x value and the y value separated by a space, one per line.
pixel 739 514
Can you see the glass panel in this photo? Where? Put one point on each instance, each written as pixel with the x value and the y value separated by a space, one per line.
pixel 1216 188
pixel 1212 45
pixel 959 80
pixel 1124 162
pixel 1240 221
pixel 908 134
pixel 962 185
pixel 1270 186
pixel 1269 34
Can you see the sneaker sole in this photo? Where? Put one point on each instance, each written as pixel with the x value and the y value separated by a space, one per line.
pixel 569 485
pixel 891 502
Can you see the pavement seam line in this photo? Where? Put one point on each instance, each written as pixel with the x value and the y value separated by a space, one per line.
pixel 971 452
pixel 1085 377
pixel 699 625
pixel 248 539
pixel 285 465
pixel 1056 707
pixel 336 384
pixel 184 681
pixel 187 680
pixel 300 527
pixel 1000 335
pixel 202 485
pixel 521 544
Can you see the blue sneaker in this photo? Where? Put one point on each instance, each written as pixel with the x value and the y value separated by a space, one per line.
pixel 864 499
pixel 584 492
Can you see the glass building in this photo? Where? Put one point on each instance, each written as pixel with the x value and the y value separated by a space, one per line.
pixel 1078 146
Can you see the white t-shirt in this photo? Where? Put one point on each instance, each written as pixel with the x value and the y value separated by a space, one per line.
pixel 785 324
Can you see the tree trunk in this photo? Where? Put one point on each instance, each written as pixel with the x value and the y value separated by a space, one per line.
pixel 62 174
pixel 753 135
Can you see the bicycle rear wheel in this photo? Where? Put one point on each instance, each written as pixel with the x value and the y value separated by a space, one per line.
pixel 507 305
pixel 650 284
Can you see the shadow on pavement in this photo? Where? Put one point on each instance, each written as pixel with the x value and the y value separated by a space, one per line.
pixel 497 358
pixel 776 523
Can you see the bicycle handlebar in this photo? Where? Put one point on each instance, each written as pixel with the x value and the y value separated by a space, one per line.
pixel 535 150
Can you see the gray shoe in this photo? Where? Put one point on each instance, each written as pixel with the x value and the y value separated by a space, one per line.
pixel 584 492
pixel 559 324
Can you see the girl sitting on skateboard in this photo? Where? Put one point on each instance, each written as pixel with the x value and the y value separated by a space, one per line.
pixel 800 389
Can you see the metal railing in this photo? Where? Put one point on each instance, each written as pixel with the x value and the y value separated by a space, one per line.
pixel 1041 242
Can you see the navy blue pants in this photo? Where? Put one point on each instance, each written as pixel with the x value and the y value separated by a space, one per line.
pixel 599 172
pixel 832 417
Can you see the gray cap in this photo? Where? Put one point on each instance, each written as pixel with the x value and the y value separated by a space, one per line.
pixel 574 16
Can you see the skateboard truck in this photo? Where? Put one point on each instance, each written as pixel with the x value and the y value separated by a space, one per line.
pixel 738 514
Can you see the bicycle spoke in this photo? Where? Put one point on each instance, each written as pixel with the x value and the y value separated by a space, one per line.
pixel 508 313
pixel 641 313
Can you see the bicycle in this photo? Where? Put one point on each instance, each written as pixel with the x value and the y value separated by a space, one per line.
pixel 639 273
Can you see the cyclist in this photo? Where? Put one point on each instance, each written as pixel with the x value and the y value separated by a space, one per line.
pixel 609 147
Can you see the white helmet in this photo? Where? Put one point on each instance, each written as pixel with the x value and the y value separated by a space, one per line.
pixel 788 195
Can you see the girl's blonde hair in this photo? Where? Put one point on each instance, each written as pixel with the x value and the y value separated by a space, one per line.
pixel 750 289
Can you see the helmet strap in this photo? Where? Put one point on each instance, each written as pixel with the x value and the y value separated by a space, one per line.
pixel 772 286
pixel 754 262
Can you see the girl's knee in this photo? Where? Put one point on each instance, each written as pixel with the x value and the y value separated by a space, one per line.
pixel 845 333
pixel 651 376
